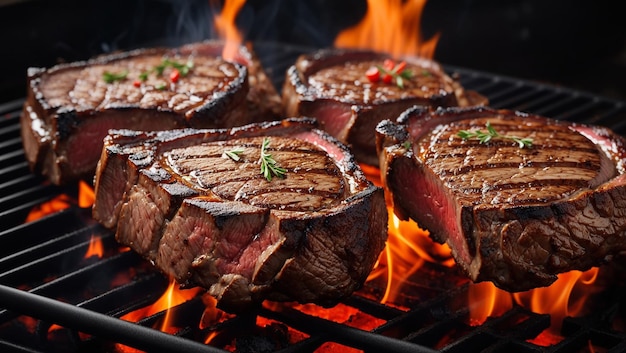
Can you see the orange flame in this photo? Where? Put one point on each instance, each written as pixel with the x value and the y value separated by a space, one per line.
pixel 392 27
pixel 565 297
pixel 225 26
pixel 86 195
pixel 408 247
pixel 85 199
pixel 172 296
pixel 57 204
pixel 95 247
pixel 486 300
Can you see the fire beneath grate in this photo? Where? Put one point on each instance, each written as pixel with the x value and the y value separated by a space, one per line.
pixel 65 283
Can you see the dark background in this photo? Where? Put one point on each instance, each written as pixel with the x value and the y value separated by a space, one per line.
pixel 576 44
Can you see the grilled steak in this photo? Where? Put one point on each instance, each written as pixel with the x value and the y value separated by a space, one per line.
pixel 331 85
pixel 513 215
pixel 210 219
pixel 71 107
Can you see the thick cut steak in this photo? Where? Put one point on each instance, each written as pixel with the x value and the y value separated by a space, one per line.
pixel 513 215
pixel 331 85
pixel 70 107
pixel 206 216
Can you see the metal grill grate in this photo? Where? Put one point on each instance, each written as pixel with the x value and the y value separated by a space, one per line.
pixel 45 278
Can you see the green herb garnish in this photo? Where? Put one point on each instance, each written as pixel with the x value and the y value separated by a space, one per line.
pixel 233 154
pixel 269 166
pixel 398 73
pixel 160 86
pixel 110 77
pixel 182 68
pixel 484 137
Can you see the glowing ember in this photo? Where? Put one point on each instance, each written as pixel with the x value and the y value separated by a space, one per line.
pixel 225 26
pixel 62 202
pixel 57 204
pixel 95 247
pixel 212 316
pixel 342 314
pixel 171 297
pixel 390 26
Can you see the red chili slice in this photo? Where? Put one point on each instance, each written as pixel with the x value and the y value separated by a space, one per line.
pixel 174 75
pixel 400 67
pixel 373 74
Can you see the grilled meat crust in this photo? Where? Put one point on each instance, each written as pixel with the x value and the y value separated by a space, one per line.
pixel 331 86
pixel 207 219
pixel 514 216
pixel 70 107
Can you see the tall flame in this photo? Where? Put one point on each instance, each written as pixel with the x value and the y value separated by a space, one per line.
pixel 171 297
pixel 391 26
pixel 86 195
pixel 95 247
pixel 565 297
pixel 226 28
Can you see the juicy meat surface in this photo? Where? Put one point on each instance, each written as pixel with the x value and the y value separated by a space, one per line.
pixel 516 216
pixel 70 107
pixel 331 85
pixel 195 204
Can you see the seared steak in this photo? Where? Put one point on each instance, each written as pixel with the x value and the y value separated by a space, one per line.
pixel 71 107
pixel 512 214
pixel 195 204
pixel 331 85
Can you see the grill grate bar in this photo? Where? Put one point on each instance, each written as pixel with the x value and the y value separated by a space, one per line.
pixel 16 170
pixel 518 101
pixel 28 255
pixel 507 91
pixel 20 203
pixel 344 334
pixel 80 279
pixel 101 325
pixel 578 113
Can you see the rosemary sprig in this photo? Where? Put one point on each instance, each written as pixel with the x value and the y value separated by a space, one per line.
pixel 234 154
pixel 484 137
pixel 269 166
pixel 110 77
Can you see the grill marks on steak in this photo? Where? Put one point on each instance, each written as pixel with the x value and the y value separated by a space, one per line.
pixel 347 82
pixel 71 107
pixel 315 181
pixel 514 216
pixel 208 220
pixel 561 162
pixel 331 86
